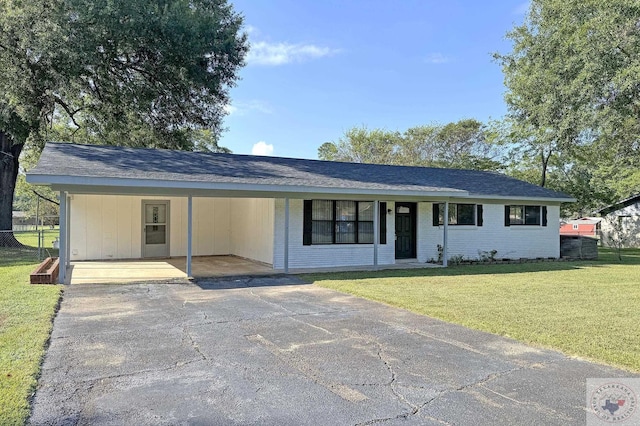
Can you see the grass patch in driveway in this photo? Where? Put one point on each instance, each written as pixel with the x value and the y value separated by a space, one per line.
pixel 587 309
pixel 26 312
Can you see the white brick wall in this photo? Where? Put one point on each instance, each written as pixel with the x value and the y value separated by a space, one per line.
pixel 510 242
pixel 514 242
pixel 301 256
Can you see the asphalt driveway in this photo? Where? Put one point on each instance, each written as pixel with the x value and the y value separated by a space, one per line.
pixel 274 351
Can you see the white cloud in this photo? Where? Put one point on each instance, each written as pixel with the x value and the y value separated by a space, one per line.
pixel 250 29
pixel 244 107
pixel 264 53
pixel 437 58
pixel 262 148
pixel 230 109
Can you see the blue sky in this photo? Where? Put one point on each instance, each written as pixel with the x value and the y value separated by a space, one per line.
pixel 317 68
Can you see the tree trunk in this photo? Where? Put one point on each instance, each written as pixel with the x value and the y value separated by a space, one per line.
pixel 9 160
pixel 545 165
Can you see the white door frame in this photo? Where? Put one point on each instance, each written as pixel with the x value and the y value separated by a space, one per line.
pixel 144 225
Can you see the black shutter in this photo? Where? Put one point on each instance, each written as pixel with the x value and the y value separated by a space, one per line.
pixel 479 215
pixel 436 214
pixel 307 227
pixel 544 215
pixel 383 223
pixel 507 221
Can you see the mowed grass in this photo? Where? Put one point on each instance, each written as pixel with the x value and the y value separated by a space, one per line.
pixel 26 313
pixel 589 309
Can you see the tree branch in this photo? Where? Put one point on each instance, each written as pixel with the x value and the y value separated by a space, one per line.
pixel 66 107
pixel 45 198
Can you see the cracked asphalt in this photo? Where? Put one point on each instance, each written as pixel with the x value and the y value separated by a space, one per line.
pixel 275 351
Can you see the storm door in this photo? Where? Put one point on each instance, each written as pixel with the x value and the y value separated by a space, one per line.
pixel 155 230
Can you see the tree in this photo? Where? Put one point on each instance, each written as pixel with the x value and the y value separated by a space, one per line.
pixel 40 203
pixel 460 144
pixel 617 235
pixel 538 75
pixel 361 145
pixel 573 80
pixel 138 73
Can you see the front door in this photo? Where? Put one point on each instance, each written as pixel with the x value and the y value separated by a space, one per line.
pixel 405 230
pixel 155 229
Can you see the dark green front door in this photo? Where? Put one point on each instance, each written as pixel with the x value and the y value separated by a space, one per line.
pixel 405 230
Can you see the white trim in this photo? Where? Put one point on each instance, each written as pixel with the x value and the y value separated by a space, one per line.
pixel 68 231
pixel 445 233
pixel 286 235
pixel 376 230
pixel 167 187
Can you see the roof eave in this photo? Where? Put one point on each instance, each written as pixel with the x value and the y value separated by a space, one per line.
pixel 170 187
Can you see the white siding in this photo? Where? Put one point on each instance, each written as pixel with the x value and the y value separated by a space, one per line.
pixel 630 218
pixel 110 226
pixel 252 227
pixel 512 242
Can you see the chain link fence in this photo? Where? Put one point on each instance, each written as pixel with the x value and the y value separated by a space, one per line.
pixel 28 245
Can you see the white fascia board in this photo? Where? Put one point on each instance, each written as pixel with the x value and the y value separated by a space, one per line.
pixel 97 185
pixel 503 199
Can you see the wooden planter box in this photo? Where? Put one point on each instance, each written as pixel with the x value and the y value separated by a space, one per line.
pixel 46 272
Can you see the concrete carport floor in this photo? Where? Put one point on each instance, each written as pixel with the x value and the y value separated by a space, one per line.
pixel 137 270
pixel 276 351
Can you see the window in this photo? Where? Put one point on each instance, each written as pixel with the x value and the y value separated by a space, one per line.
pixel 341 222
pixel 459 214
pixel 575 226
pixel 525 215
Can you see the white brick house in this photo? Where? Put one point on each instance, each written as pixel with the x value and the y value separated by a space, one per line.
pixel 125 203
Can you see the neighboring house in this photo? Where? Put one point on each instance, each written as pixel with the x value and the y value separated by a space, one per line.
pixel 627 214
pixel 20 218
pixel 20 221
pixel 123 203
pixel 586 226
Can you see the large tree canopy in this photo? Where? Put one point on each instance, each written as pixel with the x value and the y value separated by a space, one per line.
pixel 573 80
pixel 462 144
pixel 141 73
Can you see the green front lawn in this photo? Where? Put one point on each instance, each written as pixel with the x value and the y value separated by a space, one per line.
pixel 589 309
pixel 26 313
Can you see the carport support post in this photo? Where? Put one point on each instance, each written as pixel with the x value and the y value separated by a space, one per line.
pixel 286 235
pixel 62 237
pixel 445 236
pixel 67 231
pixel 376 231
pixel 189 233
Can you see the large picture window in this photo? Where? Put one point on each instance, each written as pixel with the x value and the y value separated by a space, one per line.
pixel 525 215
pixel 340 222
pixel 459 214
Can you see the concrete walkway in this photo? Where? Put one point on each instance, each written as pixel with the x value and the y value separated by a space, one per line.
pixel 273 351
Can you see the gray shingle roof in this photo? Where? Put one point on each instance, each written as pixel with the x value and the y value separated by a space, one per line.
pixel 92 161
